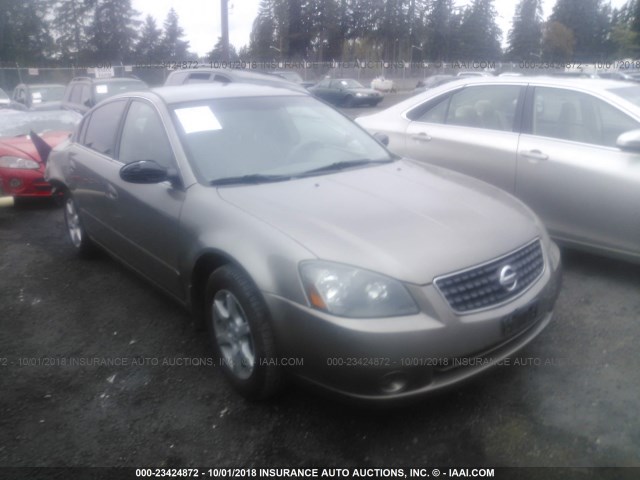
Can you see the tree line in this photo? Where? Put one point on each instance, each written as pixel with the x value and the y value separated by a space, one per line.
pixel 88 32
pixel 92 31
pixel 437 30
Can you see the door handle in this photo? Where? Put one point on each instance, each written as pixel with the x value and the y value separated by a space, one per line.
pixel 535 155
pixel 421 137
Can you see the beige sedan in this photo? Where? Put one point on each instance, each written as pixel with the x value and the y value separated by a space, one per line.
pixel 569 148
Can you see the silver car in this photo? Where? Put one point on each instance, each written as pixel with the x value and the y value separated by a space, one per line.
pixel 303 244
pixel 569 148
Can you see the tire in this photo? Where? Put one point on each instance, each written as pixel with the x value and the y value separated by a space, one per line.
pixel 348 102
pixel 81 242
pixel 240 330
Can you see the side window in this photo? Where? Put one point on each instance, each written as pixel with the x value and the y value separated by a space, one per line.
pixel 102 129
pixel 76 94
pixel 198 78
pixel 85 96
pixel 488 106
pixel 221 79
pixel 613 123
pixel 578 117
pixel 144 136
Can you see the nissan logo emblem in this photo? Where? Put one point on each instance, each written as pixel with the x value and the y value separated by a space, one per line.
pixel 508 278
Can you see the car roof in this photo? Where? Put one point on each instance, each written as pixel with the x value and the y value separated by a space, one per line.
pixel 583 83
pixel 200 91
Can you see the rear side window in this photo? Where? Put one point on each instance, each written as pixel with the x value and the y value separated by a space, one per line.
pixel 491 107
pixel 578 117
pixel 102 128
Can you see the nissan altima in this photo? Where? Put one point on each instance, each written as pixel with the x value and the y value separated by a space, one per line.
pixel 568 147
pixel 306 248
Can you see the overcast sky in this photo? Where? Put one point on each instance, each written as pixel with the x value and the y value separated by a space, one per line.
pixel 200 19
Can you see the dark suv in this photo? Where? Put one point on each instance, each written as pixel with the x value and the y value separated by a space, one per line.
pixel 224 75
pixel 85 92
pixel 41 96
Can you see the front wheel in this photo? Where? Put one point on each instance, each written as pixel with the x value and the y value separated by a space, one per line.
pixel 77 234
pixel 240 331
pixel 348 102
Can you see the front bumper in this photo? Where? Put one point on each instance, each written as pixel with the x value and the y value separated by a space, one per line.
pixel 24 183
pixel 390 359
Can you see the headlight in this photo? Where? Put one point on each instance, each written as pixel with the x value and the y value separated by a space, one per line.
pixel 17 162
pixel 351 292
pixel 359 94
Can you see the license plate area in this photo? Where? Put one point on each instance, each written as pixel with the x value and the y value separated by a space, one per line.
pixel 519 320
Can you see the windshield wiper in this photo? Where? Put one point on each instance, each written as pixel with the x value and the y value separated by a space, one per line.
pixel 337 166
pixel 254 178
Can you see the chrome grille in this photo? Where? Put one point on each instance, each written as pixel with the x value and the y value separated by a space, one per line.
pixel 491 284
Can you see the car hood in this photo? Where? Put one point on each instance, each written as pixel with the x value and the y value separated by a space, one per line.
pixel 409 221
pixel 23 146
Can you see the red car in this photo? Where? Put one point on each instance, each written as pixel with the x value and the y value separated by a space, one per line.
pixel 21 166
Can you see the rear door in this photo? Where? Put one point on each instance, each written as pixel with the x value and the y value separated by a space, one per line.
pixel 473 130
pixel 572 174
pixel 91 163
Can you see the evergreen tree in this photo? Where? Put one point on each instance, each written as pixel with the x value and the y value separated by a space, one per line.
pixel 148 48
pixel 589 22
pixel 172 46
pixel 525 37
pixel 70 25
pixel 439 35
pixel 113 31
pixel 479 34
pixel 263 33
pixel 625 37
pixel 216 54
pixel 24 32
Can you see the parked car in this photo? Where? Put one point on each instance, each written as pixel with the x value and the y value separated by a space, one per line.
pixel 346 92
pixel 4 99
pixel 569 148
pixel 474 73
pixel 293 77
pixel 432 82
pixel 224 76
pixel 303 242
pixel 42 96
pixel 82 93
pixel 21 164
pixel 615 75
pixel 382 84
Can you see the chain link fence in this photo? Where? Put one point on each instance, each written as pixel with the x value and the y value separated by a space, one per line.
pixel 405 75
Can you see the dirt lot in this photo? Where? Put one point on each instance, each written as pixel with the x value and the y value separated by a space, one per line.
pixel 571 401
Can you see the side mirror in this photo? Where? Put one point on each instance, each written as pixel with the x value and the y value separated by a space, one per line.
pixel 144 172
pixel 629 141
pixel 382 138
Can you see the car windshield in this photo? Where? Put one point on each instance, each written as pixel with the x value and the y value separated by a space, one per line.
pixel 271 138
pixel 46 93
pixel 109 89
pixel 349 83
pixel 630 94
pixel 16 123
